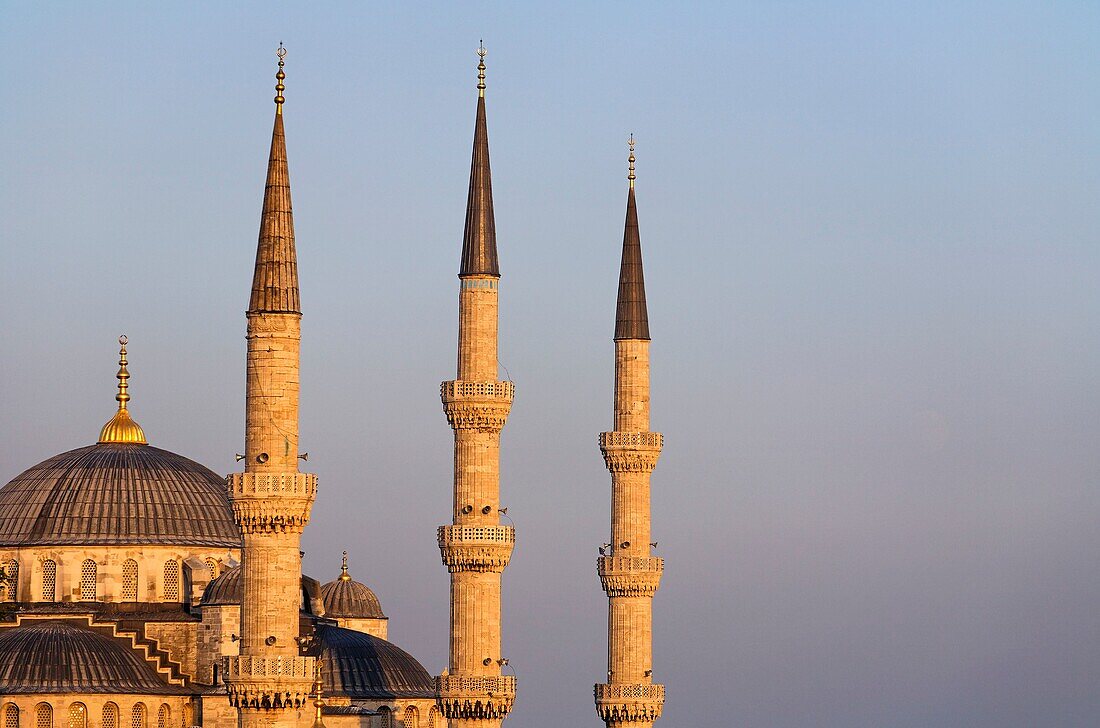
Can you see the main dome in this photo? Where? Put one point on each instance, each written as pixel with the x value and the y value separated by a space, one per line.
pixel 117 494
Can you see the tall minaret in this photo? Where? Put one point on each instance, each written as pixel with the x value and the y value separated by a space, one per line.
pixel 270 681
pixel 628 572
pixel 477 547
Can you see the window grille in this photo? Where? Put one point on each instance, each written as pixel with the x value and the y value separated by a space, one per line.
pixel 137 716
pixel 49 580
pixel 188 715
pixel 433 717
pixel 11 716
pixel 410 719
pixel 171 581
pixel 162 716
pixel 129 580
pixel 78 716
pixel 386 721
pixel 213 567
pixel 43 716
pixel 110 716
pixel 87 581
pixel 11 570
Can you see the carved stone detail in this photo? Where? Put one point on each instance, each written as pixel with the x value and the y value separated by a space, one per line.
pixel 272 502
pixel 631 451
pixel 629 702
pixel 630 576
pixel 482 696
pixel 476 548
pixel 269 683
pixel 481 406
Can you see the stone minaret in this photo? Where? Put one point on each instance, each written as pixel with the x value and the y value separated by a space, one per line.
pixel 628 572
pixel 477 547
pixel 270 681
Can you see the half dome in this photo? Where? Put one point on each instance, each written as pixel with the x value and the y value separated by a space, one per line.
pixel 117 494
pixel 360 666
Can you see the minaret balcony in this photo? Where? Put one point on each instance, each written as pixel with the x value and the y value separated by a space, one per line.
pixel 631 451
pixel 630 576
pixel 271 502
pixel 476 696
pixel 276 682
pixel 482 406
pixel 630 701
pixel 476 548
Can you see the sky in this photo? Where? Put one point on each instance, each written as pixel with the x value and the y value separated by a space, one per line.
pixel 871 254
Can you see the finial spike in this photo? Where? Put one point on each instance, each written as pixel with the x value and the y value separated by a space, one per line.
pixel 121 428
pixel 279 77
pixel 481 52
pixel 631 176
pixel 344 576
pixel 123 374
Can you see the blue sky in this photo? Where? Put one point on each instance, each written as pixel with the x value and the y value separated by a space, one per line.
pixel 870 239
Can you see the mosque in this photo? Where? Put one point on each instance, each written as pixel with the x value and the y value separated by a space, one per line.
pixel 139 588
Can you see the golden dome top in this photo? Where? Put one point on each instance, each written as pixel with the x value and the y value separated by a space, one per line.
pixel 121 428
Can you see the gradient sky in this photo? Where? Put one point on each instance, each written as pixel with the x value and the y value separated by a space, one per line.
pixel 871 250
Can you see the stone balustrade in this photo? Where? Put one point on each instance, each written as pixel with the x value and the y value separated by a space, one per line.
pixel 629 702
pixel 268 682
pixel 630 576
pixel 480 406
pixel 631 451
pixel 476 548
pixel 271 502
pixel 267 485
pixel 476 696
pixel 460 389
pixel 647 440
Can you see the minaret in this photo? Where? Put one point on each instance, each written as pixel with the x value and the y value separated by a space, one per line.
pixel 270 681
pixel 628 572
pixel 477 547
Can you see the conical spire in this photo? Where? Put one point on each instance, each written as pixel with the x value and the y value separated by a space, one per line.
pixel 479 241
pixel 275 282
pixel 631 319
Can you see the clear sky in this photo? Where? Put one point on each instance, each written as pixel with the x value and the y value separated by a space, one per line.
pixel 871 250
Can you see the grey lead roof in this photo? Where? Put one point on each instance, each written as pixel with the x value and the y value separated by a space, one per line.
pixel 64 657
pixel 479 239
pixel 631 317
pixel 117 494
pixel 350 599
pixel 361 666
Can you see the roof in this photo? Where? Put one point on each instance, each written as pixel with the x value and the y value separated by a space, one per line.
pixel 62 657
pixel 227 590
pixel 631 317
pixel 357 665
pixel 275 280
pixel 350 599
pixel 117 494
pixel 479 239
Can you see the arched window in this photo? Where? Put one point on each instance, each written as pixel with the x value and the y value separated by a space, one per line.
pixel 387 721
pixel 188 715
pixel 411 719
pixel 78 715
pixel 49 580
pixel 212 565
pixel 137 716
pixel 171 581
pixel 129 580
pixel 43 716
pixel 11 581
pixel 162 716
pixel 11 716
pixel 433 717
pixel 87 581
pixel 110 716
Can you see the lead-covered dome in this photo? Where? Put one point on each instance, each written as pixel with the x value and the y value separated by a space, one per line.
pixel 117 494
pixel 346 598
pixel 360 666
pixel 63 657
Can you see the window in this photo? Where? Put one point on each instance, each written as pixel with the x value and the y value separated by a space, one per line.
pixel 411 718
pixel 129 580
pixel 43 716
pixel 110 716
pixel 162 716
pixel 386 721
pixel 137 716
pixel 188 715
pixel 49 580
pixel 11 716
pixel 11 582
pixel 78 715
pixel 171 581
pixel 213 567
pixel 87 581
pixel 433 717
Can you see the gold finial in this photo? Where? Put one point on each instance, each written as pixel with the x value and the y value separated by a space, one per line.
pixel 318 702
pixel 481 52
pixel 344 576
pixel 121 428
pixel 279 87
pixel 631 176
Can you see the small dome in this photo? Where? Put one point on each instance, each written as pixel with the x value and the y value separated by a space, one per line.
pixel 360 666
pixel 224 590
pixel 346 598
pixel 64 657
pixel 117 494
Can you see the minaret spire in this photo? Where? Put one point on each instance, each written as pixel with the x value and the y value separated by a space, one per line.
pixel 275 281
pixel 270 681
pixel 630 574
pixel 479 240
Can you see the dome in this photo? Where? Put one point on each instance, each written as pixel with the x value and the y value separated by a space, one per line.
pixel 347 598
pixel 224 590
pixel 117 494
pixel 360 666
pixel 63 657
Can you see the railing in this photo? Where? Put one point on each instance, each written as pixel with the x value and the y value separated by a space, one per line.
pixel 269 484
pixel 459 389
pixel 632 439
pixel 630 691
pixel 474 685
pixel 251 666
pixel 615 564
pixel 458 535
